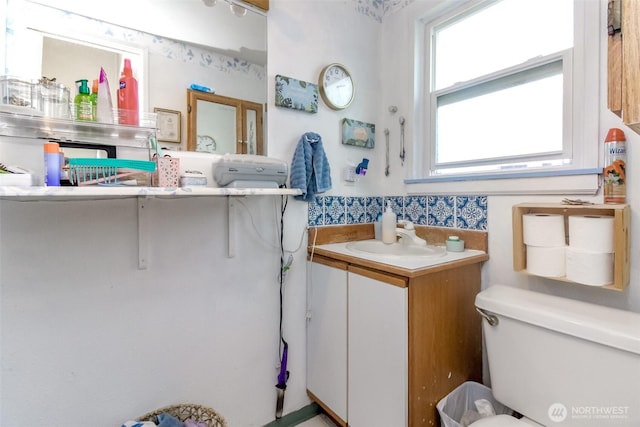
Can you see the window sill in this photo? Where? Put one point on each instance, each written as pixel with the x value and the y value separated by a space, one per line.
pixel 581 181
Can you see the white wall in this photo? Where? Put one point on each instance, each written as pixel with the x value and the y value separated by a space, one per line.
pixel 304 36
pixel 87 338
pixel 397 66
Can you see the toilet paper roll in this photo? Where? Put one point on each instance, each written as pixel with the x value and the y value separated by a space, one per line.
pixel 546 261
pixel 594 233
pixel 589 268
pixel 544 230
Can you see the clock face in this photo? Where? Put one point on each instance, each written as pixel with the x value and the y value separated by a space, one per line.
pixel 336 86
pixel 205 144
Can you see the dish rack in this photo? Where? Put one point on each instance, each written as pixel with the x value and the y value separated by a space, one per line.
pixel 94 171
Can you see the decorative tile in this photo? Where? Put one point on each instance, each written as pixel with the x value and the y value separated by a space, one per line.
pixel 465 212
pixel 397 205
pixel 356 210
pixel 315 212
pixel 334 210
pixel 441 211
pixel 471 212
pixel 374 208
pixel 415 209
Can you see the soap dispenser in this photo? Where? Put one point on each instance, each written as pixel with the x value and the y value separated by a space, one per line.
pixel 388 225
pixel 82 102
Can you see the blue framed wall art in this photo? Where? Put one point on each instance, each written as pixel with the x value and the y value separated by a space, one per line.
pixel 296 94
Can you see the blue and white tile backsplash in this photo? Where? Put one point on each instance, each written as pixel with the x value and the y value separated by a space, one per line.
pixel 466 212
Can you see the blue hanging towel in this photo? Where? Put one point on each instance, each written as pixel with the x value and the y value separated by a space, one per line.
pixel 310 171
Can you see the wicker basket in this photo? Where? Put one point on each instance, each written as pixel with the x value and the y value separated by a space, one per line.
pixel 185 411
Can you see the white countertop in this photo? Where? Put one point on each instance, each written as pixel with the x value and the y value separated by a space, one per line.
pixel 407 262
pixel 98 192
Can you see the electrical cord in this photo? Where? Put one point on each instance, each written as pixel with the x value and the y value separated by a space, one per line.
pixel 278 230
pixel 310 275
pixel 283 207
pixel 283 346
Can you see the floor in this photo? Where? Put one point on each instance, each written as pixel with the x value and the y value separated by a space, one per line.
pixel 318 421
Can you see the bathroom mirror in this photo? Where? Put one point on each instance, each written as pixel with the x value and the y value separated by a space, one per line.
pixel 220 124
pixel 181 43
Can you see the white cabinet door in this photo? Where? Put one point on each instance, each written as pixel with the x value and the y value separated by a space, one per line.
pixel 327 337
pixel 378 346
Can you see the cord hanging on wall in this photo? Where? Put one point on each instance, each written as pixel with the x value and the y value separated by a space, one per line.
pixel 283 374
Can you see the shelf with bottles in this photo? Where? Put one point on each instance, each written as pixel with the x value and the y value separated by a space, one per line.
pixel 28 123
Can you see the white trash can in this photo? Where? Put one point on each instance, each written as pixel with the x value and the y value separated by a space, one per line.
pixel 453 406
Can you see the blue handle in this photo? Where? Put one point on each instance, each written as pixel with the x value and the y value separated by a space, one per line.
pixel 361 169
pixel 200 88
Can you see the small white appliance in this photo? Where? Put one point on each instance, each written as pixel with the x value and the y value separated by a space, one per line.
pixel 192 162
pixel 559 361
pixel 250 171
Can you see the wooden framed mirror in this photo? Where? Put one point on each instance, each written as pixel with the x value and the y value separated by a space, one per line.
pixel 220 124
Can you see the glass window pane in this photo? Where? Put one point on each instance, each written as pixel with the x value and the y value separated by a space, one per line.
pixel 507 33
pixel 525 120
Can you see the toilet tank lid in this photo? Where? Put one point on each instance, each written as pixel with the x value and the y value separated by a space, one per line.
pixel 605 325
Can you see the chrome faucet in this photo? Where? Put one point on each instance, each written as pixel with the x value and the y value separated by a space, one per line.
pixel 408 234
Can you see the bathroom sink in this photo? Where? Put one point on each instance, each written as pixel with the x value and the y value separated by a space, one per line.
pixel 395 249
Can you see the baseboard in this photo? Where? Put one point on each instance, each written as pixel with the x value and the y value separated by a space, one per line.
pixel 297 417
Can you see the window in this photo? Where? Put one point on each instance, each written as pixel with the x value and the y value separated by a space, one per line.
pixel 510 88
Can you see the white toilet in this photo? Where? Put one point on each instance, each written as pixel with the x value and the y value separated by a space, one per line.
pixel 559 361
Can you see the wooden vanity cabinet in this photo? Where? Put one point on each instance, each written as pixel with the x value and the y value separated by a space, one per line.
pixel 384 348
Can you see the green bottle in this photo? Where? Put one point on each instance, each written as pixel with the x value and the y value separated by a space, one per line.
pixel 82 102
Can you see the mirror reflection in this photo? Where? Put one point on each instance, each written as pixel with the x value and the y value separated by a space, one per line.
pixel 220 124
pixel 186 42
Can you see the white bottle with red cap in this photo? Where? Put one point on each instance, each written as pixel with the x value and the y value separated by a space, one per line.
pixel 615 157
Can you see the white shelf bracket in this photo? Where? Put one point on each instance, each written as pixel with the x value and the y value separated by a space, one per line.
pixel 231 222
pixel 143 234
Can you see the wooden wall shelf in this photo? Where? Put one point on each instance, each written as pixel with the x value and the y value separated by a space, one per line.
pixel 620 213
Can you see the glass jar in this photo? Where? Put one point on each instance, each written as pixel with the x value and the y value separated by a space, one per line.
pixel 54 99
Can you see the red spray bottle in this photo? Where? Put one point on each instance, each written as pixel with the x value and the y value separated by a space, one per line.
pixel 128 113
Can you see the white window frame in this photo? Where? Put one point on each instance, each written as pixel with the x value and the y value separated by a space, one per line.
pixel 579 177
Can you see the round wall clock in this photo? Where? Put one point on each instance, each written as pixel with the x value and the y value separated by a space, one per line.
pixel 205 144
pixel 336 86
